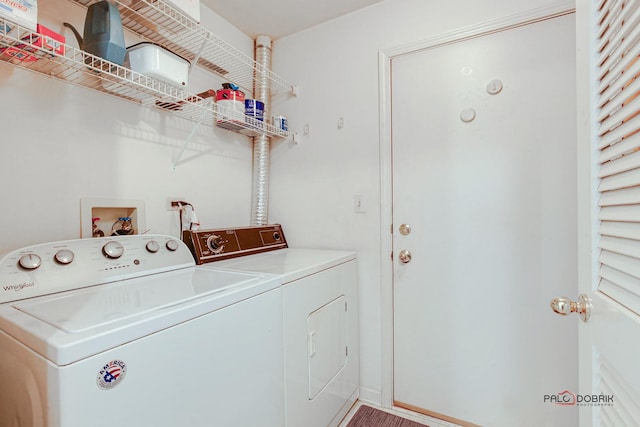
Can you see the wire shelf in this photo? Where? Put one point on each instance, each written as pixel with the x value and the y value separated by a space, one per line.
pixel 24 48
pixel 160 23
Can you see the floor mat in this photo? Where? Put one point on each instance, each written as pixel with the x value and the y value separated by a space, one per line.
pixel 367 416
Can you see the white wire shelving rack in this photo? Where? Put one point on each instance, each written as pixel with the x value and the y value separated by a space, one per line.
pixel 159 22
pixel 155 21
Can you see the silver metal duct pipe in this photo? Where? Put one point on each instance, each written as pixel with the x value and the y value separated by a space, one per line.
pixel 262 143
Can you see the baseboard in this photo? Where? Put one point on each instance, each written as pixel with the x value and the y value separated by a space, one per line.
pixel 370 396
pixel 344 410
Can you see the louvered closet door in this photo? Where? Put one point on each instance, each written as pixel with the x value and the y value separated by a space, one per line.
pixel 610 212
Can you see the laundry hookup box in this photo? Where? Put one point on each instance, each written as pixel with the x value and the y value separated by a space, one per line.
pixel 22 12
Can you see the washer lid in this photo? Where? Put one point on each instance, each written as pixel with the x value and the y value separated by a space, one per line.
pixel 102 305
pixel 71 325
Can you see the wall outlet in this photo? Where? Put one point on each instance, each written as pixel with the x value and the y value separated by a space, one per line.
pixel 171 206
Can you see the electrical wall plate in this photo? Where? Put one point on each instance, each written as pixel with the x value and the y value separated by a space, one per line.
pixel 109 210
pixel 169 200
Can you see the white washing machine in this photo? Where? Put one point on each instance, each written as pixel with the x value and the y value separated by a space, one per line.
pixel 128 332
pixel 320 315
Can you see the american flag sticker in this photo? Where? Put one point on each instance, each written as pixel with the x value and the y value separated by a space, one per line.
pixel 111 374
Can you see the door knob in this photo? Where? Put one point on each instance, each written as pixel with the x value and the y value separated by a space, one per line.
pixel 405 229
pixel 564 306
pixel 405 256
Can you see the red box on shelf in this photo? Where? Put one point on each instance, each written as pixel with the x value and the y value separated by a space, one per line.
pixel 53 42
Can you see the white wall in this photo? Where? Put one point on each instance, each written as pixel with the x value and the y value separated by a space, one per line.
pixel 313 183
pixel 60 143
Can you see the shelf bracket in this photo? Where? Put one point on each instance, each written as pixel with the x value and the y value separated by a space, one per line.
pixel 198 55
pixel 176 160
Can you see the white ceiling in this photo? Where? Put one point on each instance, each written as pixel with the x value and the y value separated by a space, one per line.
pixel 278 18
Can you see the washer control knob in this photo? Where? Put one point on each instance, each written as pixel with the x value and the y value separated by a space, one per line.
pixel 215 243
pixel 172 245
pixel 30 261
pixel 113 249
pixel 64 256
pixel 153 246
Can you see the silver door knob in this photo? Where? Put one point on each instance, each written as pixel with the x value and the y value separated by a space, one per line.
pixel 405 256
pixel 564 306
pixel 405 229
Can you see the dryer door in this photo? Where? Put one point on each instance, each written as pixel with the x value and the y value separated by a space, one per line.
pixel 327 341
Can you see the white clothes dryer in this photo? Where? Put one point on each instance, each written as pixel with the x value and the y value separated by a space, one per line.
pixel 320 315
pixel 125 331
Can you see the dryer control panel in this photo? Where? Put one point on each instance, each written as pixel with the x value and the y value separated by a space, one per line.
pixel 214 245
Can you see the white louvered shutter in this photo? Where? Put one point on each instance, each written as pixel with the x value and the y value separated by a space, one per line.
pixel 618 52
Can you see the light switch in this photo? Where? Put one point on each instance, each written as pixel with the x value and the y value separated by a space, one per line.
pixel 359 203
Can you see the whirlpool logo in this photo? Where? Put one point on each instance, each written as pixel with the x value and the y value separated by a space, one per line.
pixel 18 287
pixel 567 398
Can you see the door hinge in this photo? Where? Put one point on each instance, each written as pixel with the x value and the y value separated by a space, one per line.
pixel 346 351
pixel 391 256
pixel 345 306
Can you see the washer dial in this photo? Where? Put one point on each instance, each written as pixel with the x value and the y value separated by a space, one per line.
pixel 153 246
pixel 113 249
pixel 30 261
pixel 172 245
pixel 64 256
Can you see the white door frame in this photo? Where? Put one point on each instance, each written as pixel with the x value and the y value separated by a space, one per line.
pixel 560 8
pixel 588 223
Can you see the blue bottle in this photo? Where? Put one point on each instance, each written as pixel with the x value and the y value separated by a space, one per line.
pixel 103 32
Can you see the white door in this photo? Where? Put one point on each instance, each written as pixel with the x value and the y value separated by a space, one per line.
pixel 609 212
pixel 484 174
